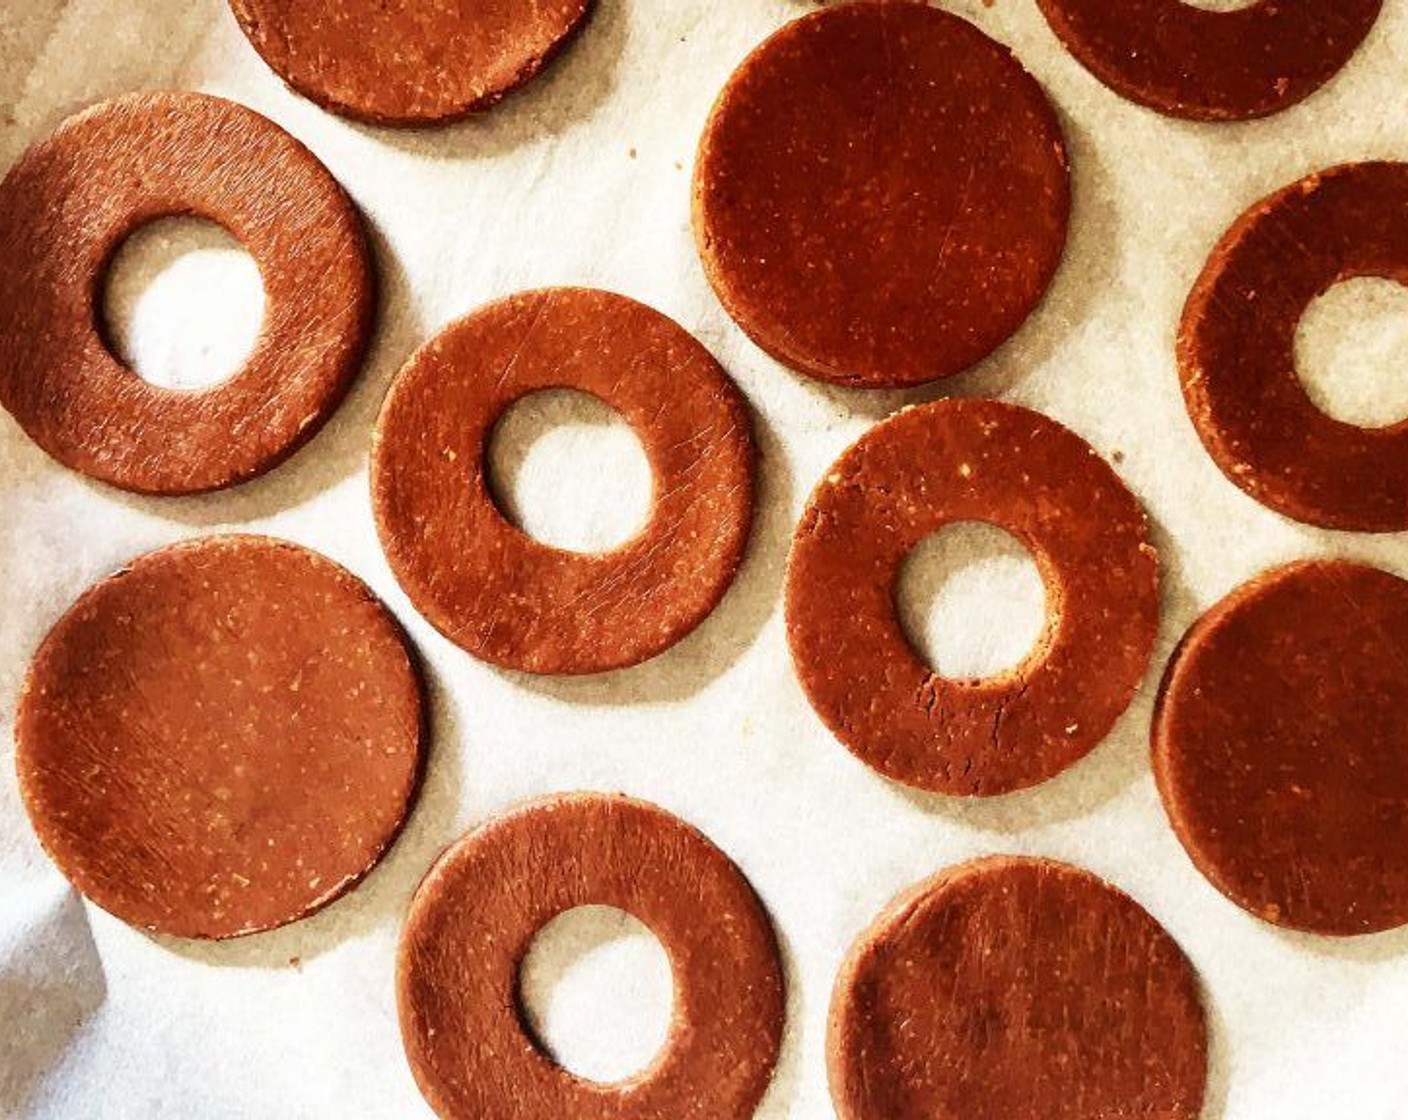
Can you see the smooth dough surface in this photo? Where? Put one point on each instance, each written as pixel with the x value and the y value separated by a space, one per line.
pixel 221 738
pixel 1187 61
pixel 407 62
pixel 881 194
pixel 1281 748
pixel 1016 989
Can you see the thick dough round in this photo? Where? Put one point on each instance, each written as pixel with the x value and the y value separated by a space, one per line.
pixel 407 62
pixel 1236 349
pixel 474 919
pixel 1186 61
pixel 1008 988
pixel 932 466
pixel 67 207
pixel 221 738
pixel 881 195
pixel 487 585
pixel 1281 748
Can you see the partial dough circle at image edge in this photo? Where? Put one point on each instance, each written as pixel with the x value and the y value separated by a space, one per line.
pixel 1202 65
pixel 474 919
pixel 1011 987
pixel 1281 752
pixel 1237 349
pixel 408 65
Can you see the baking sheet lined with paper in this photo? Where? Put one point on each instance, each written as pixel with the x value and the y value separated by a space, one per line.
pixel 583 178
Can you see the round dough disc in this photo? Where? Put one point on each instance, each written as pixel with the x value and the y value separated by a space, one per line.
pixel 221 738
pixel 1281 747
pixel 881 194
pixel 407 62
pixel 1009 988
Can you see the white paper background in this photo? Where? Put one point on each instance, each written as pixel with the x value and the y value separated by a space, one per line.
pixel 97 1020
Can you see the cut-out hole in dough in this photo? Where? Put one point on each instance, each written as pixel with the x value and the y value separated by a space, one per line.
pixel 971 601
pixel 596 993
pixel 182 304
pixel 1352 352
pixel 569 471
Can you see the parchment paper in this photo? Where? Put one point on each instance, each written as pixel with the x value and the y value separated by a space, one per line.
pixel 98 1020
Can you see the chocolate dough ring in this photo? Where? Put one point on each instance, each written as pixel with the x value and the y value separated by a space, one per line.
pixel 932 466
pixel 487 585
pixel 221 738
pixel 1185 61
pixel 407 62
pixel 1008 988
pixel 1281 750
pixel 1236 349
pixel 67 207
pixel 476 914
pixel 881 194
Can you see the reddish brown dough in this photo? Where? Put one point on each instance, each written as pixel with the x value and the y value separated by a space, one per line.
pixel 1236 349
pixel 66 208
pixel 221 738
pixel 407 62
pixel 1191 62
pixel 932 466
pixel 475 916
pixel 1281 749
pixel 881 195
pixel 1007 988
pixel 491 588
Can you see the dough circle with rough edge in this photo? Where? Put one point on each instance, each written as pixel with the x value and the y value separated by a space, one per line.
pixel 408 62
pixel 474 919
pixel 1281 749
pixel 1009 987
pixel 67 207
pixel 488 586
pixel 936 465
pixel 881 195
pixel 1237 358
pixel 1186 61
pixel 221 738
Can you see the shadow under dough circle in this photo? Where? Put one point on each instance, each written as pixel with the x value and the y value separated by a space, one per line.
pixel 1281 751
pixel 1186 61
pixel 491 588
pixel 881 194
pixel 408 64
pixel 67 207
pixel 1010 987
pixel 1237 354
pixel 475 916
pixel 221 738
pixel 932 466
